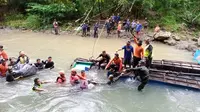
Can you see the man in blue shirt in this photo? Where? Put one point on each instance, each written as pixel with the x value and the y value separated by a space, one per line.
pixel 118 18
pixel 138 28
pixel 128 51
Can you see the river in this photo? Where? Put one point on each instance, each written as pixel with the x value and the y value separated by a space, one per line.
pixel 121 97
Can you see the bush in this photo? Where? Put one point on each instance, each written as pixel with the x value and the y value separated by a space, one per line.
pixel 15 20
pixel 32 22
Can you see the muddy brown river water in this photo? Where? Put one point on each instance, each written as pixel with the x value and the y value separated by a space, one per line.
pixel 121 97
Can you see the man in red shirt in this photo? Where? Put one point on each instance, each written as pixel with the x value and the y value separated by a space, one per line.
pixel 3 68
pixel 3 54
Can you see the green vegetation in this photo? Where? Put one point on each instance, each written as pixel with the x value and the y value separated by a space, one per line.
pixel 174 15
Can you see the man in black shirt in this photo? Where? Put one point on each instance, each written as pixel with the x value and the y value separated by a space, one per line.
pixel 49 63
pixel 39 65
pixel 105 59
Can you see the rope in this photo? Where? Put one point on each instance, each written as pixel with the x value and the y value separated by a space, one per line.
pixel 95 43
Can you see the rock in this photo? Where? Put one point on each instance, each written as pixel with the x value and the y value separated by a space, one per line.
pixel 195 39
pixel 1 27
pixel 192 47
pixel 175 37
pixel 186 45
pixel 170 42
pixel 198 42
pixel 162 35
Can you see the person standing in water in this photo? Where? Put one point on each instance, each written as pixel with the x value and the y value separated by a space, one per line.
pixel 48 63
pixel 61 79
pixel 138 52
pixel 38 85
pixel 3 54
pixel 74 79
pixel 142 72
pixel 55 26
pixel 3 68
pixel 39 64
pixel 23 58
pixel 96 26
pixel 108 27
pixel 83 80
pixel 148 51
pixel 128 51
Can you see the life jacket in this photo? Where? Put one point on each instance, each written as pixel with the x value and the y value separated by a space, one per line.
pixel 23 60
pixel 36 86
pixel 3 70
pixel 147 52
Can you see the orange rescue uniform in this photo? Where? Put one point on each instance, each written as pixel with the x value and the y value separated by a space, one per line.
pixel 3 70
pixel 4 55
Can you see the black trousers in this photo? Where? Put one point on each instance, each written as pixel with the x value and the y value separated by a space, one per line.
pixel 148 62
pixel 135 61
pixel 127 61
pixel 143 83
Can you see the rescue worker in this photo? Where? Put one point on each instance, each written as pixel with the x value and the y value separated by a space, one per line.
pixel 115 63
pixel 138 52
pixel 141 73
pixel 3 68
pixel 61 79
pixel 3 54
pixel 38 85
pixel 39 64
pixel 74 79
pixel 48 63
pixel 105 59
pixel 148 53
pixel 22 59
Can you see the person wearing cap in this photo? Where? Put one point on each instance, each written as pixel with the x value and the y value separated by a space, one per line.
pixel 3 68
pixel 138 52
pixel 22 59
pixel 61 78
pixel 74 79
pixel 39 64
pixel 105 59
pixel 3 54
pixel 48 63
pixel 141 73
pixel 148 51
pixel 128 51
pixel 115 63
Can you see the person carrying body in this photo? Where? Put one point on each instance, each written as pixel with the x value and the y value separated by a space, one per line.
pixel 39 64
pixel 128 51
pixel 38 85
pixel 48 63
pixel 22 59
pixel 96 26
pixel 61 79
pixel 141 73
pixel 115 63
pixel 148 51
pixel 74 79
pixel 3 54
pixel 105 59
pixel 3 68
pixel 138 52
pixel 55 26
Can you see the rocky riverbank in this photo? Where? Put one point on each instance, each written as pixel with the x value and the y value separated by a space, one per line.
pixel 182 40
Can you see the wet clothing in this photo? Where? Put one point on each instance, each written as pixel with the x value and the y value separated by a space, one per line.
pixel 143 73
pixel 105 59
pixel 148 55
pixel 74 80
pixel 36 86
pixel 128 50
pixel 115 64
pixel 3 70
pixel 49 64
pixel 22 60
pixel 40 66
pixel 61 80
pixel 3 55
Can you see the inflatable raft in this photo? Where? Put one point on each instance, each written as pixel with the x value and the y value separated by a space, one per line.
pixel 19 71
